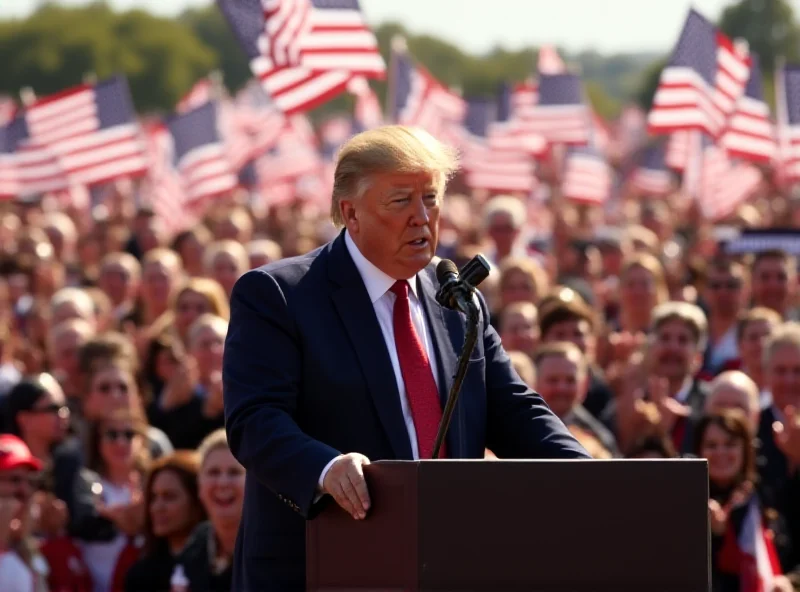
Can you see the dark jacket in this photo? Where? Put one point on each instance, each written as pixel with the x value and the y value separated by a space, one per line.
pixel 152 572
pixel 307 376
pixel 195 562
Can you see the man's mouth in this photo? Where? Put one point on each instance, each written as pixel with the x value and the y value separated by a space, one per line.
pixel 420 242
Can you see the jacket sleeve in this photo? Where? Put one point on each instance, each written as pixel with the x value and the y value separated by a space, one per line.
pixel 262 373
pixel 84 521
pixel 519 422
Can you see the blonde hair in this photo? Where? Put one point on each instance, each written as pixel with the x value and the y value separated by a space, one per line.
pixel 787 334
pixel 230 247
pixel 524 367
pixel 77 296
pixel 512 206
pixel 124 260
pixel 685 312
pixel 652 265
pixel 164 256
pixel 391 148
pixel 560 349
pixel 216 440
pixel 207 321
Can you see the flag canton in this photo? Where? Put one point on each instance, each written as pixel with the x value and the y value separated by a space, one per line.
pixel 754 88
pixel 336 4
pixel 697 47
pixel 404 73
pixel 791 82
pixel 246 18
pixel 114 104
pixel 479 116
pixel 12 134
pixel 194 129
pixel 560 89
pixel 653 158
pixel 504 102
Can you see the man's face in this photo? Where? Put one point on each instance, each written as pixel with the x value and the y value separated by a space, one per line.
pixel 783 376
pixel 395 224
pixel 725 293
pixel 577 331
pixel 772 284
pixel 520 332
pixel 674 350
pixel 751 345
pixel 64 355
pixel 561 383
pixel 17 484
pixel 503 232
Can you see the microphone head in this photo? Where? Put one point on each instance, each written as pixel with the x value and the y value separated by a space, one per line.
pixel 444 269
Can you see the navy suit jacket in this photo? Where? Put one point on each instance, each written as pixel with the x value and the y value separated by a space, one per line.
pixel 307 377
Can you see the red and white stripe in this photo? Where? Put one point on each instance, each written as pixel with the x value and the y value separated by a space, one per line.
pixel 287 22
pixel 750 134
pixel 67 124
pixel 337 46
pixel 684 100
pixel 431 105
pixel 678 150
pixel 724 186
pixel 367 111
pixel 587 179
pixel 497 170
pixel 201 93
pixel 760 558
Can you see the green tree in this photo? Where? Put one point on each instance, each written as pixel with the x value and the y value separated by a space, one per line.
pixel 769 27
pixel 57 47
pixel 649 83
pixel 209 25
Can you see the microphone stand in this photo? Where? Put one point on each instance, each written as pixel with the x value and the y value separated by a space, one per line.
pixel 461 371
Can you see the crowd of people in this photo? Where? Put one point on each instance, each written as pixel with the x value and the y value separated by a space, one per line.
pixel 638 331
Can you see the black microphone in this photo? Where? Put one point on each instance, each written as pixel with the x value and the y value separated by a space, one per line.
pixel 455 292
pixel 456 288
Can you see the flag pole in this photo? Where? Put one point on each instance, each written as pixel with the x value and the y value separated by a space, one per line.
pixel 397 46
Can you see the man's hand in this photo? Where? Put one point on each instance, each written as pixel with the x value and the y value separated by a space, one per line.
pixel 345 483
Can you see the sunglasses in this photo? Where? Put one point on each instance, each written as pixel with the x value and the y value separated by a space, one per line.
pixel 115 435
pixel 106 387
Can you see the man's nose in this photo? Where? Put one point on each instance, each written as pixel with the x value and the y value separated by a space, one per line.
pixel 420 213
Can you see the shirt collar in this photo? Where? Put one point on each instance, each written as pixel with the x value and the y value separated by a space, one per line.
pixel 682 395
pixel 376 281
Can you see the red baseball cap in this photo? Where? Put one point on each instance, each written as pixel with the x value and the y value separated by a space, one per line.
pixel 14 453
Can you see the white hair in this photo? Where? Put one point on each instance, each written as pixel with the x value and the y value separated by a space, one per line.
pixel 77 296
pixel 508 205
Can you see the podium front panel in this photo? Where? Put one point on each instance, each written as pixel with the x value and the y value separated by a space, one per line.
pixel 558 526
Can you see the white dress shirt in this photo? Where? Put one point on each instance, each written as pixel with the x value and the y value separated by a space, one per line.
pixel 378 286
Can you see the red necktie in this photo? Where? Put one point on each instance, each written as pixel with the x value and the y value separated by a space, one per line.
pixel 421 390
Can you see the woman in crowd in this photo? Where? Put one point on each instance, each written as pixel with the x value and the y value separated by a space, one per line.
pixel 193 298
pixel 725 440
pixel 173 512
pixel 206 563
pixel 118 459
pixel 225 261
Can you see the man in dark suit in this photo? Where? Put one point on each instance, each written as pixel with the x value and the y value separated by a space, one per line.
pixel 343 356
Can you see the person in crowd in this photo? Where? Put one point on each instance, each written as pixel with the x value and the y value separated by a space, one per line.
pixel 63 345
pixel 521 280
pixel 562 377
pixel 162 270
pixel 120 278
pixel 72 303
pixel 726 442
pixel 774 281
pixel 726 293
pixel 518 327
pixel 197 296
pixel 173 511
pixel 564 316
pixel 263 251
pixel 752 332
pixel 190 245
pixel 734 389
pixel 523 364
pixel 225 261
pixel 118 459
pixel 643 286
pixel 504 218
pixel 206 563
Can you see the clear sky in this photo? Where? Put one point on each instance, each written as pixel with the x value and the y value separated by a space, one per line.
pixel 479 25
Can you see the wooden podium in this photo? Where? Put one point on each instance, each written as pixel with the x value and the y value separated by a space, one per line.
pixel 533 526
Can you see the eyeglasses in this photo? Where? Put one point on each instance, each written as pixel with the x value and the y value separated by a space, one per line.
pixel 107 387
pixel 54 408
pixel 115 435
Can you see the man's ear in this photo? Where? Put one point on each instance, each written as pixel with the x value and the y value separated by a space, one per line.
pixel 349 215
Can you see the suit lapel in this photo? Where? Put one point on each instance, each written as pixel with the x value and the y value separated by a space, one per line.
pixel 358 315
pixel 442 323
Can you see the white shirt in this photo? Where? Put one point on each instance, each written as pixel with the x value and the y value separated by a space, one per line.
pixel 101 557
pixel 683 395
pixel 15 576
pixel 725 349
pixel 378 285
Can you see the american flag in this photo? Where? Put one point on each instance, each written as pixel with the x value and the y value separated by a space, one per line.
pixel 631 130
pixel 92 130
pixel 200 154
pixel 163 187
pixel 8 109
pixel 587 177
pixel 422 101
pixel 201 93
pixel 523 96
pixel 702 82
pixel 787 100
pixel 560 115
pixel 367 113
pixel 749 133
pixel 261 119
pixel 651 175
pixel 549 62
pixel 508 133
pixel 335 45
pixel 678 150
pixel 27 168
pixel 488 168
pixel 724 185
